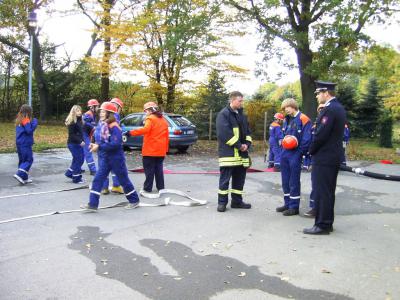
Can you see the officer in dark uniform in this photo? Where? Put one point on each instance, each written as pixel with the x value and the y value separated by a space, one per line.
pixel 326 150
pixel 234 140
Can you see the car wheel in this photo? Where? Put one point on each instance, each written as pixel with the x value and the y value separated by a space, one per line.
pixel 182 149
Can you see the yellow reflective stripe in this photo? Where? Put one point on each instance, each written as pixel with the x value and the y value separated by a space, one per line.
pixel 228 159
pixel 239 192
pixel 235 137
pixel 223 192
pixel 248 138
pixel 230 164
pixel 236 153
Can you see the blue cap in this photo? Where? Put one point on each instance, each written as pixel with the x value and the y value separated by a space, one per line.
pixel 323 86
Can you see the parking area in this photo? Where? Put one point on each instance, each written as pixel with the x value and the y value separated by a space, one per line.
pixel 176 252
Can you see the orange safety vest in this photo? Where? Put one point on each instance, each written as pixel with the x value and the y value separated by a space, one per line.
pixel 155 136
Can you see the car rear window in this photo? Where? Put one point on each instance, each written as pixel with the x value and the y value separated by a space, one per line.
pixel 180 121
pixel 135 120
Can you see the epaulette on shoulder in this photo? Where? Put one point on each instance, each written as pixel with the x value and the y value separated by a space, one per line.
pixel 114 124
pixel 304 119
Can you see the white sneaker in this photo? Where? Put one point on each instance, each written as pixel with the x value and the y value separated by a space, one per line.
pixel 88 208
pixel 132 205
pixel 19 179
pixel 28 181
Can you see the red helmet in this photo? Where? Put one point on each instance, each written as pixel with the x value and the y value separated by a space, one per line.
pixel 290 142
pixel 93 102
pixel 108 106
pixel 117 101
pixel 279 116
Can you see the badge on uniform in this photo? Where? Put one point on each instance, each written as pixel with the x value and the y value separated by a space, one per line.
pixel 324 120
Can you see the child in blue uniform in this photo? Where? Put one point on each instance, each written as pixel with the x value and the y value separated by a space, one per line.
pixel 75 143
pixel 116 188
pixel 346 139
pixel 25 127
pixel 111 158
pixel 89 123
pixel 275 140
pixel 298 125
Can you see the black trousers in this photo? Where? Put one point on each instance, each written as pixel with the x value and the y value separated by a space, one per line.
pixel 238 175
pixel 324 179
pixel 153 167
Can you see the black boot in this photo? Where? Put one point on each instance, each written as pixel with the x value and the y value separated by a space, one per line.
pixel 221 207
pixel 281 208
pixel 240 205
pixel 291 212
pixel 310 213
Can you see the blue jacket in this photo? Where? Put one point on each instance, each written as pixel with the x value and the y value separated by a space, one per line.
pixel 275 134
pixel 232 131
pixel 346 135
pixel 300 127
pixel 24 133
pixel 89 122
pixel 109 139
pixel 327 146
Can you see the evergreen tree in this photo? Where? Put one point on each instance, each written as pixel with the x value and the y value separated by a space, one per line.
pixel 369 111
pixel 346 95
pixel 386 130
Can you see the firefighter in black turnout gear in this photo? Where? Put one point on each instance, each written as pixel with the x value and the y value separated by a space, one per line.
pixel 234 140
pixel 326 151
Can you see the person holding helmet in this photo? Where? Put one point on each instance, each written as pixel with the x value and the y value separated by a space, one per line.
pixel 275 141
pixel 155 145
pixel 116 188
pixel 89 123
pixel 326 150
pixel 111 158
pixel 297 138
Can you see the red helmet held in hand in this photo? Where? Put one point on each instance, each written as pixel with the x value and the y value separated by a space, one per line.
pixel 108 106
pixel 290 142
pixel 93 102
pixel 118 102
pixel 279 116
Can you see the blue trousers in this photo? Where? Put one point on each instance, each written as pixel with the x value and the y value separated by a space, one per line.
pixel 25 160
pixel 153 168
pixel 275 155
pixel 238 175
pixel 88 155
pixel 290 172
pixel 74 171
pixel 118 166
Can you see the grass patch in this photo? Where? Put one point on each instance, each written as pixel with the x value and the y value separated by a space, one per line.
pixel 46 137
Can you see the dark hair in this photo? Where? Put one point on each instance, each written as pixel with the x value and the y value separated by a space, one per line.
pixel 235 94
pixel 110 117
pixel 25 111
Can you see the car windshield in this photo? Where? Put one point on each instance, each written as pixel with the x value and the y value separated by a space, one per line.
pixel 134 120
pixel 180 121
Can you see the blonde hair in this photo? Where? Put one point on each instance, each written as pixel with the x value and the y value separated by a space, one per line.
pixel 24 112
pixel 72 118
pixel 289 102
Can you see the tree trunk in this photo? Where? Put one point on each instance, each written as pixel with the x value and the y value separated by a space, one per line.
pixel 43 90
pixel 105 74
pixel 304 59
pixel 170 97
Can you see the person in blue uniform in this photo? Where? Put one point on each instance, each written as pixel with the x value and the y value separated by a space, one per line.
pixel 298 125
pixel 24 130
pixel 234 140
pixel 311 213
pixel 326 150
pixel 111 158
pixel 346 139
pixel 75 144
pixel 89 123
pixel 275 140
pixel 116 186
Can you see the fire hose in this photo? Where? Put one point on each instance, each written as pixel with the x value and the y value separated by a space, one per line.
pixel 360 171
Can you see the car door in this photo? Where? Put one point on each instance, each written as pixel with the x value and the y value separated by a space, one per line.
pixel 132 121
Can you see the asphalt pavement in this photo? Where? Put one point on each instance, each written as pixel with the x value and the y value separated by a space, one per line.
pixel 176 252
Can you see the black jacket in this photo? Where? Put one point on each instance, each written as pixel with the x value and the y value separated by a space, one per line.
pixel 75 134
pixel 232 131
pixel 327 145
